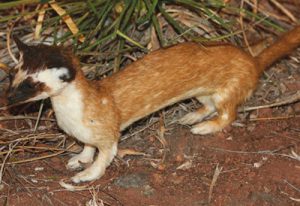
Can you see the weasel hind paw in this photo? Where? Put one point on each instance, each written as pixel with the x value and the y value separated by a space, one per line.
pixel 190 118
pixel 205 128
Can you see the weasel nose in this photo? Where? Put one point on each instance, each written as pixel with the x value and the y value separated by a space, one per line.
pixel 11 98
pixel 12 95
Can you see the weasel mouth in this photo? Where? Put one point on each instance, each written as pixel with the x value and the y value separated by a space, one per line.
pixel 23 92
pixel 18 97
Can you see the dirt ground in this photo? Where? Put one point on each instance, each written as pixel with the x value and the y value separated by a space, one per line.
pixel 254 163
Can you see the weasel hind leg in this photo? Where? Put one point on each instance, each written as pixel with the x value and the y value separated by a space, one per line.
pixel 206 110
pixel 226 109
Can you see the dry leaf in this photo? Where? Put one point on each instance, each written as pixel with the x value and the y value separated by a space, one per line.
pixel 67 19
pixel 154 43
pixel 4 67
pixel 185 166
pixel 40 20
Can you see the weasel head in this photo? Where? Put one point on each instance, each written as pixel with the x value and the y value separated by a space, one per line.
pixel 43 71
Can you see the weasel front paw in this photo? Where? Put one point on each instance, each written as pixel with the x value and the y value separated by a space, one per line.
pixel 74 164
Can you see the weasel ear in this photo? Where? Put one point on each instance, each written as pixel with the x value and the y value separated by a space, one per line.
pixel 21 46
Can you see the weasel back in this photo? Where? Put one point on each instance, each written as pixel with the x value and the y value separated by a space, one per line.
pixel 184 71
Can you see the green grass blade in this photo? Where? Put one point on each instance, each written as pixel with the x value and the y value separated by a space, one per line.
pixel 129 39
pixel 12 4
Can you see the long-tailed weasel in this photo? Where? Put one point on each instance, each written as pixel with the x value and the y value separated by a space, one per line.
pixel 220 76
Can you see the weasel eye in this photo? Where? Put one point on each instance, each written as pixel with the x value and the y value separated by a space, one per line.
pixel 65 77
pixel 12 73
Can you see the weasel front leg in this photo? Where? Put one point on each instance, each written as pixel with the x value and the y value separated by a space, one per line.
pixel 107 152
pixel 86 156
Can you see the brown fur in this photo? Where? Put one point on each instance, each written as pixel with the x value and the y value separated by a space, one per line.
pixel 99 96
pixel 282 47
pixel 166 76
pixel 170 75
pixel 40 57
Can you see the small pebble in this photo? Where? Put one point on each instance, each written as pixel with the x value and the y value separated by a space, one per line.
pixel 37 169
pixel 148 190
pixel 175 179
pixel 185 166
pixel 132 180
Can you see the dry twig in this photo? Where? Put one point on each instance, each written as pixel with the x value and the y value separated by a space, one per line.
pixel 41 157
pixel 11 147
pixel 284 10
pixel 213 182
pixel 287 100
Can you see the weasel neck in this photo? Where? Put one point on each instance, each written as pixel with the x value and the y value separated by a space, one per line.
pixel 68 104
pixel 69 111
pixel 71 95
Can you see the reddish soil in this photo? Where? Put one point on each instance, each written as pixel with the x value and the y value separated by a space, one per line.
pixel 255 171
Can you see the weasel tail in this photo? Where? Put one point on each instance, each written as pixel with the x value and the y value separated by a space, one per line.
pixel 282 47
